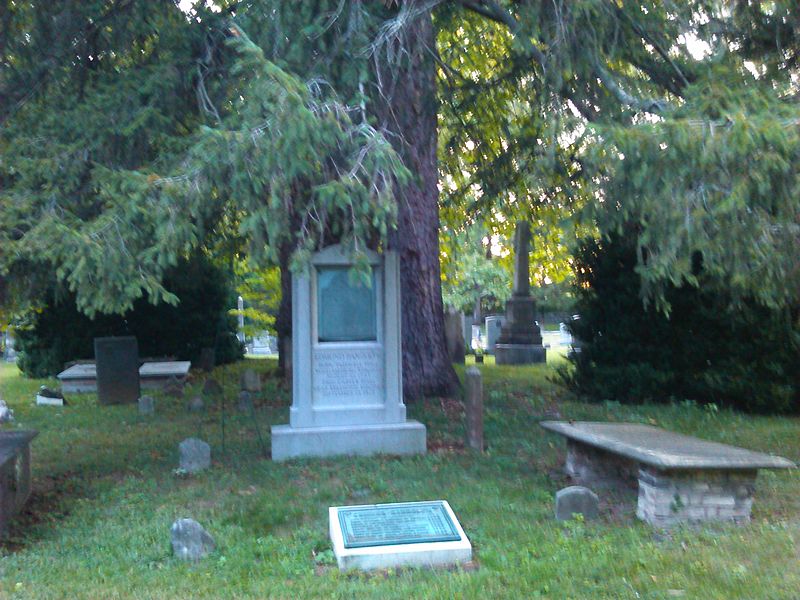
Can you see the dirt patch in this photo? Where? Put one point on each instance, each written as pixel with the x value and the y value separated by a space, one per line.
pixel 48 503
pixel 445 446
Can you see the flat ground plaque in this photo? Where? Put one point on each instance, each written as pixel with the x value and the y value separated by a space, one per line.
pixel 405 534
pixel 407 523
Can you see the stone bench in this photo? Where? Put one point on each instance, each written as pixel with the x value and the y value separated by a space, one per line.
pixel 680 478
pixel 15 473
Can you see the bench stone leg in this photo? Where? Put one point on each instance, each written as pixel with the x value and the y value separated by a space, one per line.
pixel 669 497
pixel 594 467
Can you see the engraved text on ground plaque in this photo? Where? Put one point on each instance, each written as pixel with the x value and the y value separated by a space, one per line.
pixel 390 524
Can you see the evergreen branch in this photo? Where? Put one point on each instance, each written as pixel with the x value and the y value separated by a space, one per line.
pixel 651 105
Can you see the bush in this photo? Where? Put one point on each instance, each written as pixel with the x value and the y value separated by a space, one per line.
pixel 705 351
pixel 58 333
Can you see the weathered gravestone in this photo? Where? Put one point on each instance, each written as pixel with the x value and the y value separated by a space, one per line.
pixel 190 541
pixel 347 391
pixel 576 500
pixel 380 536
pixel 117 360
pixel 454 336
pixel 494 325
pixel 473 407
pixel 147 405
pixel 245 404
pixel 520 340
pixel 250 381
pixel 196 404
pixel 208 358
pixel 211 387
pixel 195 455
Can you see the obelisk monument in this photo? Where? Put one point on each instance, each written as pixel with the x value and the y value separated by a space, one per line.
pixel 520 341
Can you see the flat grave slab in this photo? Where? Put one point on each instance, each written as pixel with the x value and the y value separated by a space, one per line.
pixel 379 536
pixel 79 379
pixel 664 449
pixel 679 478
pixel 156 374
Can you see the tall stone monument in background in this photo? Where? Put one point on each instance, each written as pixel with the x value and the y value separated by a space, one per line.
pixel 520 341
pixel 347 389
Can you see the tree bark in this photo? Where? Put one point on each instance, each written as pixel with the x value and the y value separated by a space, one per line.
pixel 409 111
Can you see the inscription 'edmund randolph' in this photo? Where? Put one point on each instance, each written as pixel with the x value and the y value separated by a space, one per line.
pixel 342 373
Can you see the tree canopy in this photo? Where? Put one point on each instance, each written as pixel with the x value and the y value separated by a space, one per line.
pixel 134 132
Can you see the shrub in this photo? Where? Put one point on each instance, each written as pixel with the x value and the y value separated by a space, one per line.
pixel 705 350
pixel 58 333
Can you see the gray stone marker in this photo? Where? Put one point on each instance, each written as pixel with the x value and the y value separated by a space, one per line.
pixel 680 478
pixel 117 360
pixel 195 455
pixel 196 404
pixel 473 404
pixel 494 325
pixel 347 392
pixel 379 536
pixel 15 473
pixel 520 340
pixel 466 324
pixel 453 333
pixel 211 387
pixel 574 500
pixel 173 388
pixel 250 381
pixel 147 405
pixel 190 541
pixel 245 404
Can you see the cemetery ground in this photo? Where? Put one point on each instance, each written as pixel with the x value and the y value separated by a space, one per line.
pixel 105 494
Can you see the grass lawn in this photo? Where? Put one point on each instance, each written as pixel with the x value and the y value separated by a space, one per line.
pixel 105 495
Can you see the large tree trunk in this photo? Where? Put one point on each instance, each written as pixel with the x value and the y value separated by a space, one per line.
pixel 409 110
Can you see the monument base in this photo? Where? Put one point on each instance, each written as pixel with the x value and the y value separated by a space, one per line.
pixel 363 440
pixel 519 354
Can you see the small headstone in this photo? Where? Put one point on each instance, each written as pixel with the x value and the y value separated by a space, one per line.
pixel 212 387
pixel 47 397
pixel 146 405
pixel 195 455
pixel 245 402
pixel 250 381
pixel 576 499
pixel 208 358
pixel 196 404
pixel 454 336
pixel 474 409
pixel 6 414
pixel 190 541
pixel 173 388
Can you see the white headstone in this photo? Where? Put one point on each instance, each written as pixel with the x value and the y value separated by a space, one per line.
pixel 494 325
pixel 347 391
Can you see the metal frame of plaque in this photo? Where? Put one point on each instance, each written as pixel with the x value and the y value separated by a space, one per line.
pixel 422 534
